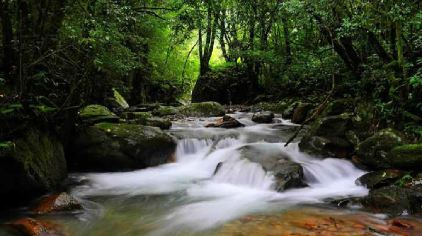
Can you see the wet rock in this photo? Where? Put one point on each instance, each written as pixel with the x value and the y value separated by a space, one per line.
pixel 380 179
pixel 36 227
pixel 203 109
pixel 301 112
pixel 165 111
pixel 374 151
pixel 35 164
pixel 163 124
pixel 226 122
pixel 117 147
pixel 263 117
pixel 394 200
pixel 93 114
pixel 288 174
pixel 328 137
pixel 57 203
pixel 407 157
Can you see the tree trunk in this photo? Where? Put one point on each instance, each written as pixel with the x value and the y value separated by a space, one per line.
pixel 9 57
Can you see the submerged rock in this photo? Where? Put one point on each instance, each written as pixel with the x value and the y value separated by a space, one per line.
pixel 93 114
pixel 57 203
pixel 288 174
pixel 116 147
pixel 226 122
pixel 34 165
pixel 263 117
pixel 36 227
pixel 374 151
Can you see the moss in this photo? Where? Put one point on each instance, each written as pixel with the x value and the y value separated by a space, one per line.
pixel 97 113
pixel 203 109
pixel 165 111
pixel 278 107
pixel 407 156
pixel 120 99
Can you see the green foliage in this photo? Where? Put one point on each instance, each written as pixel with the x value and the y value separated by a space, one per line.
pixel 403 181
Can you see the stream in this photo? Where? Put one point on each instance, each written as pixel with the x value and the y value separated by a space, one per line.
pixel 209 185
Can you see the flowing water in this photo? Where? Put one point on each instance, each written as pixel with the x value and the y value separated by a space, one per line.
pixel 209 185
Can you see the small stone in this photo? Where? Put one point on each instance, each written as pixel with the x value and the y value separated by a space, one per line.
pixel 57 203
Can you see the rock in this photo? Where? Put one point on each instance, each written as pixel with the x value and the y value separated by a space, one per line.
pixel 165 111
pixel 288 112
pixel 204 109
pixel 93 114
pixel 139 116
pixel 407 157
pixel 301 112
pixel 288 174
pixel 117 147
pixel 33 166
pixel 263 117
pixel 163 124
pixel 339 106
pixel 226 86
pixel 380 178
pixel 276 107
pixel 394 200
pixel 120 99
pixel 36 227
pixel 327 137
pixel 373 152
pixel 226 122
pixel 57 203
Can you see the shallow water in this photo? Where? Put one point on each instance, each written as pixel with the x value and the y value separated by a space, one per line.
pixel 189 197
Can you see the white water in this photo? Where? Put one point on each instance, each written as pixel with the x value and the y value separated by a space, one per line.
pixel 238 188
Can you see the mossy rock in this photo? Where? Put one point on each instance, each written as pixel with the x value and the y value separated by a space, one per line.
pixel 301 112
pixel 276 107
pixel 139 116
pixel 378 179
pixel 35 165
pixel 118 147
pixel 374 151
pixel 166 111
pixel 163 124
pixel 120 100
pixel 203 109
pixel 406 157
pixel 339 106
pixel 93 114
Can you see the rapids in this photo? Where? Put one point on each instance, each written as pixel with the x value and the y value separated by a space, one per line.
pixel 209 185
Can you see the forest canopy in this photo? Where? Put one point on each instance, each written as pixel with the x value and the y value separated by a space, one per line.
pixel 61 54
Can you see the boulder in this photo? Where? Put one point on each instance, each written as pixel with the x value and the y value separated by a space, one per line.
pixel 301 112
pixel 117 147
pixel 288 112
pixel 394 200
pixel 161 123
pixel 407 157
pixel 226 122
pixel 33 164
pixel 288 174
pixel 226 86
pixel 165 111
pixel 137 115
pixel 263 117
pixel 374 151
pixel 203 109
pixel 378 179
pixel 328 137
pixel 57 203
pixel 339 106
pixel 93 114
